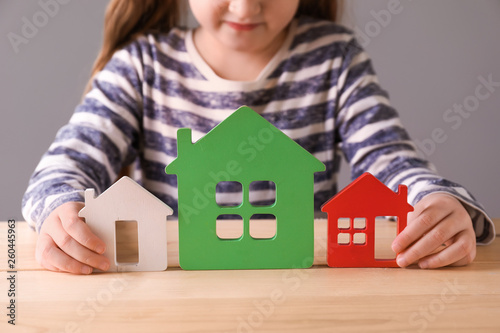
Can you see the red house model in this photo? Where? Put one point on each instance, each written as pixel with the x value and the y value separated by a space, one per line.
pixel 351 221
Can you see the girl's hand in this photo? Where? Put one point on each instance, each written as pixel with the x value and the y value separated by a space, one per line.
pixel 66 244
pixel 439 233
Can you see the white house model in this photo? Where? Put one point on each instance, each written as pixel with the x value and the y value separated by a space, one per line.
pixel 126 201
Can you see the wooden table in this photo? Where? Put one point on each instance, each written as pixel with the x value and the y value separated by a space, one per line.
pixel 319 299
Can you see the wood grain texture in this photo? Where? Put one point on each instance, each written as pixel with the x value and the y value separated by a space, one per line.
pixel 319 299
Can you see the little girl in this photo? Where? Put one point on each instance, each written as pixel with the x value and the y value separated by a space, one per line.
pixel 288 61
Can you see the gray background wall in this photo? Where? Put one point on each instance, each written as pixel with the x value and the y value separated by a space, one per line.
pixel 429 55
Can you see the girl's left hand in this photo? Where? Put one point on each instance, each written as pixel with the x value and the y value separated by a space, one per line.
pixel 439 233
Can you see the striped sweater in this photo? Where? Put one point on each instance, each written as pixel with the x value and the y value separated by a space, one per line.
pixel 320 89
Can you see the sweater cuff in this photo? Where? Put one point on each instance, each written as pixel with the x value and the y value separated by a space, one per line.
pixel 482 223
pixel 38 216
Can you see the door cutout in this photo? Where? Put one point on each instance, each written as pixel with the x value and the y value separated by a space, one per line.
pixel 127 242
pixel 385 233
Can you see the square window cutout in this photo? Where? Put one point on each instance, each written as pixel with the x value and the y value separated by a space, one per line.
pixel 262 193
pixel 343 239
pixel 359 223
pixel 359 238
pixel 229 194
pixel 229 226
pixel 263 226
pixel 344 223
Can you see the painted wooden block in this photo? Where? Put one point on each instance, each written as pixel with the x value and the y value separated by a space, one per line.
pixel 351 221
pixel 123 204
pixel 244 154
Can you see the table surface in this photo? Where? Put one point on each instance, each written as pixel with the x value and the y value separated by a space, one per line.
pixel 318 299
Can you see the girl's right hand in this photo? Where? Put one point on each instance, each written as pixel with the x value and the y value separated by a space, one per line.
pixel 66 243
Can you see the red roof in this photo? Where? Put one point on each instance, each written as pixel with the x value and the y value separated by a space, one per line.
pixel 367 196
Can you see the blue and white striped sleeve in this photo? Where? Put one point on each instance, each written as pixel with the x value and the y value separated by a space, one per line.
pixel 374 140
pixel 101 137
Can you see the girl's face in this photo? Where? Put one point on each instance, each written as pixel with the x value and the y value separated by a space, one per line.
pixel 243 25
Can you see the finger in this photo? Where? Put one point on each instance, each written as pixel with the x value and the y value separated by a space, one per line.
pixel 442 246
pixel 466 260
pixel 69 245
pixel 40 245
pixel 432 240
pixel 77 251
pixel 51 257
pixel 461 252
pixel 417 228
pixel 81 232
pixel 51 268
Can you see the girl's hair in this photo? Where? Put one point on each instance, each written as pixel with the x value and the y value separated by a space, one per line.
pixel 127 19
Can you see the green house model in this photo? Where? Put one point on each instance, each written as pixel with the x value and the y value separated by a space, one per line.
pixel 243 152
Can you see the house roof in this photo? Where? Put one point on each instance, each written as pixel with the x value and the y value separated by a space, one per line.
pixel 134 191
pixel 244 137
pixel 367 195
